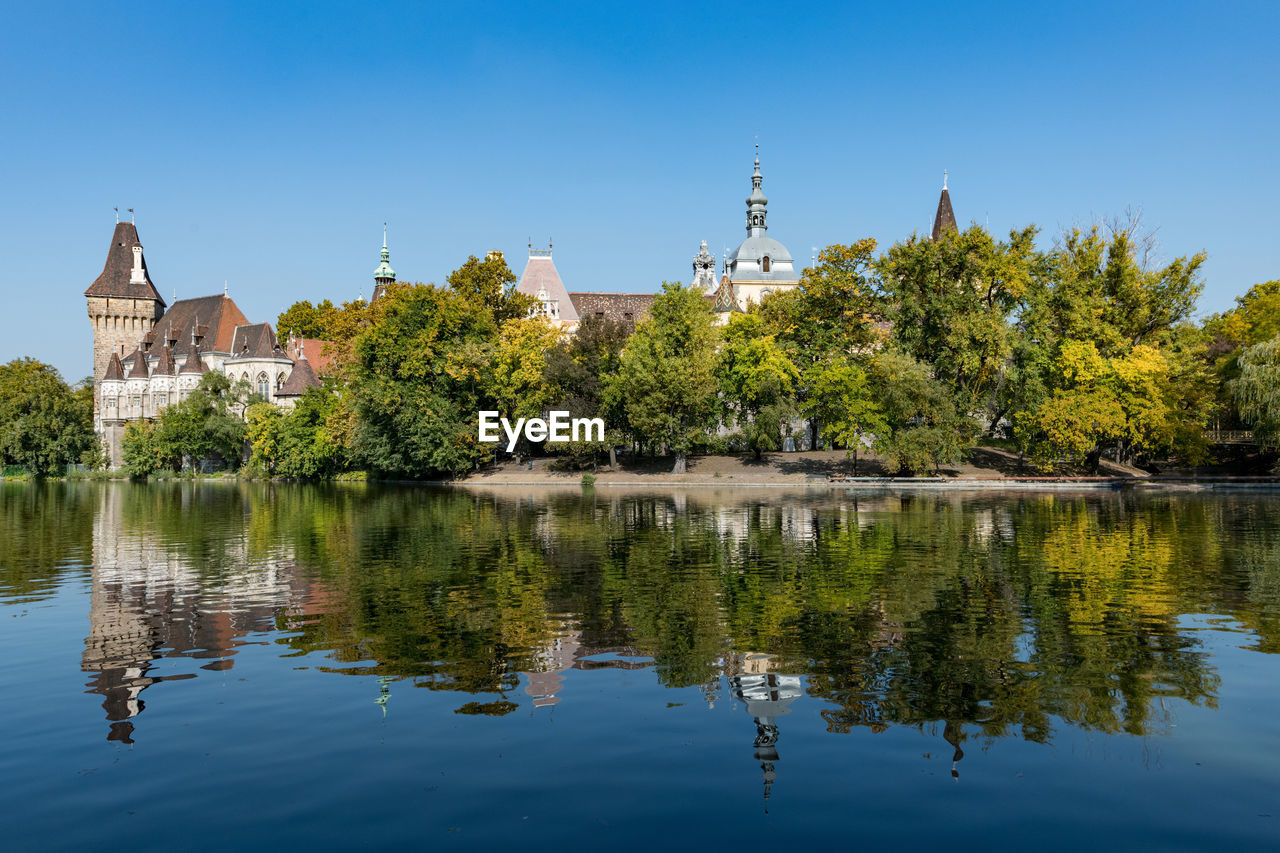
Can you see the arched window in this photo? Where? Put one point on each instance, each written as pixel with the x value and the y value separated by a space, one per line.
pixel 279 382
pixel 765 266
pixel 264 385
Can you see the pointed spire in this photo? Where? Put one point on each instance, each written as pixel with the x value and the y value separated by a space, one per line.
pixel 384 274
pixel 725 301
pixel 757 201
pixel 139 369
pixel 945 218
pixel 115 370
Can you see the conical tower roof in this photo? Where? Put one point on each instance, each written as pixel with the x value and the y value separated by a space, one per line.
pixel 166 366
pixel 139 369
pixel 945 218
pixel 117 278
pixel 194 363
pixel 300 379
pixel 725 300
pixel 115 370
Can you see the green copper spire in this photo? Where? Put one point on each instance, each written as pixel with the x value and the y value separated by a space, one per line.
pixel 384 274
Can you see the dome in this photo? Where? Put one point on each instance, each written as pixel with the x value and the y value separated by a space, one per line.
pixel 757 247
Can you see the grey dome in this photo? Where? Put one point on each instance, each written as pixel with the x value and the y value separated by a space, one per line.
pixel 756 247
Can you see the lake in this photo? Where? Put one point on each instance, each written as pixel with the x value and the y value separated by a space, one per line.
pixel 215 665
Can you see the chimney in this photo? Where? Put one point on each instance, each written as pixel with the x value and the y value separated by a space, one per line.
pixel 137 275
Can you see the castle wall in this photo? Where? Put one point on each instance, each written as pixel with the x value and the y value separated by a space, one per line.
pixel 118 324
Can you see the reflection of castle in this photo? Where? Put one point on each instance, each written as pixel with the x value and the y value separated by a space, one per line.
pixel 767 695
pixel 148 602
pixel 565 652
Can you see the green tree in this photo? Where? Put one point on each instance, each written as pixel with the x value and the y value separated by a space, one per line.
pixel 492 284
pixel 307 320
pixel 667 376
pixel 1099 401
pixel 1256 390
pixel 836 314
pixel 580 371
pixel 757 382
pixel 415 377
pixel 514 379
pixel 926 426
pixel 842 399
pixel 45 424
pixel 952 301
pixel 299 442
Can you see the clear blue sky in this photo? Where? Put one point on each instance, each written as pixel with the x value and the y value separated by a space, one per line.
pixel 266 145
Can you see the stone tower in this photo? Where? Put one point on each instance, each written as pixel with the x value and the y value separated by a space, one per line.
pixel 123 303
pixel 704 270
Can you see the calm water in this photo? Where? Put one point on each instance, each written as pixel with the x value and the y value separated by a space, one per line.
pixel 231 666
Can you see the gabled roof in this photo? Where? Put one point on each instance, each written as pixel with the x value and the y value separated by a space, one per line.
pixel 255 340
pixel 165 366
pixel 115 370
pixel 212 318
pixel 139 368
pixel 944 219
pixel 300 380
pixel 115 279
pixel 540 274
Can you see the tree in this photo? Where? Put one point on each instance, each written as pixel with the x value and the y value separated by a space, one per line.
pixel 416 373
pixel 492 284
pixel 757 382
pixel 667 377
pixel 951 301
pixel 1104 293
pixel 834 315
pixel 1256 390
pixel 45 424
pixel 1100 400
pixel 307 320
pixel 842 399
pixel 514 378
pixel 580 371
pixel 926 426
pixel 298 442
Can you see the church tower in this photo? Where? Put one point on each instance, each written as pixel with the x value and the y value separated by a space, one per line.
pixel 760 265
pixel 704 270
pixel 384 275
pixel 123 303
pixel 945 218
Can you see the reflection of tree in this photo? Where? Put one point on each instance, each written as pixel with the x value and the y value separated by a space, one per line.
pixel 990 616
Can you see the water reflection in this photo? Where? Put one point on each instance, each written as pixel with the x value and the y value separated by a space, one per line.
pixel 963 616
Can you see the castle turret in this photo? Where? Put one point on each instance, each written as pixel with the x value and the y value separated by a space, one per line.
pixel 123 303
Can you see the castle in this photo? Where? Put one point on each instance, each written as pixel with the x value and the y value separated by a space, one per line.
pixel 148 355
